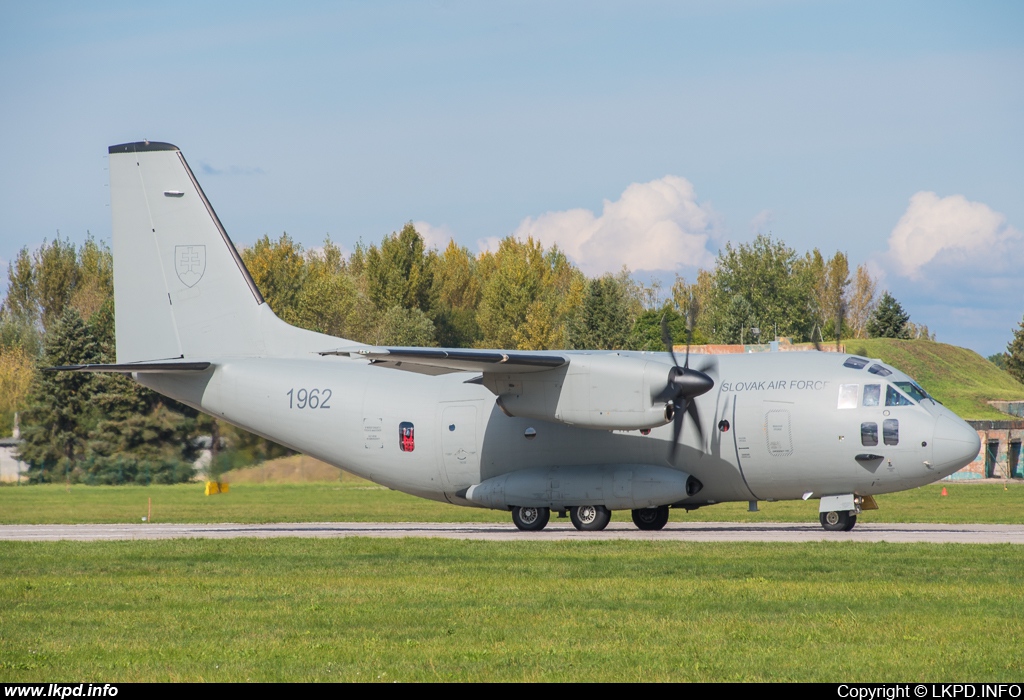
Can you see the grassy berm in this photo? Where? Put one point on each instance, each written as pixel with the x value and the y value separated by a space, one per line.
pixel 422 610
pixel 960 378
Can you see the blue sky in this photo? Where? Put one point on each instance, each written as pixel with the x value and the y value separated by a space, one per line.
pixel 647 133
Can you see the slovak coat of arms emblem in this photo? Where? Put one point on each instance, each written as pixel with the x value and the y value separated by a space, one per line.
pixel 190 263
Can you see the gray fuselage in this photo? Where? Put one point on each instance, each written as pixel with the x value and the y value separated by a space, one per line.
pixel 773 427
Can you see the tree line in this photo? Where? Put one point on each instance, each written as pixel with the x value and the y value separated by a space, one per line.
pixel 59 310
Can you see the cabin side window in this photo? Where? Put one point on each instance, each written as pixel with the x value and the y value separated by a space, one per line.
pixel 848 395
pixel 869 434
pixel 406 436
pixel 891 431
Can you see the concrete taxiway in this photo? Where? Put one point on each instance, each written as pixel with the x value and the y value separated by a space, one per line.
pixel 683 532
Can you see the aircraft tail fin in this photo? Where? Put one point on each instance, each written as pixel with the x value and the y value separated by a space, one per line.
pixel 181 289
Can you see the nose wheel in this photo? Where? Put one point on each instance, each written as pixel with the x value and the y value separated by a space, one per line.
pixel 838 520
pixel 530 518
pixel 590 517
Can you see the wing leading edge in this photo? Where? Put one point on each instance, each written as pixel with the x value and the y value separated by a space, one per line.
pixel 446 360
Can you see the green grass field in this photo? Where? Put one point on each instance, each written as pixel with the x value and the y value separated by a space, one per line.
pixel 422 610
pixel 960 378
pixel 355 500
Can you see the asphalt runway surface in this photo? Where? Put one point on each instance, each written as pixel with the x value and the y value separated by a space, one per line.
pixel 556 531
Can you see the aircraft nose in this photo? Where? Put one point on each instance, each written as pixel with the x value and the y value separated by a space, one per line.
pixel 954 445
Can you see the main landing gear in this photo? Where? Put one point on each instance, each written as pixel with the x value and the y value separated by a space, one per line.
pixel 583 517
pixel 530 518
pixel 590 517
pixel 650 518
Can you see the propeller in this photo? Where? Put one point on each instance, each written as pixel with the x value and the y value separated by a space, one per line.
pixel 840 320
pixel 684 385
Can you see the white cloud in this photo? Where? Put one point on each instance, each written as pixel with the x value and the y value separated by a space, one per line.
pixel 948 230
pixel 489 244
pixel 762 223
pixel 434 236
pixel 657 225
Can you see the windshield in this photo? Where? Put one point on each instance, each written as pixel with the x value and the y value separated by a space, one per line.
pixel 913 390
pixel 895 398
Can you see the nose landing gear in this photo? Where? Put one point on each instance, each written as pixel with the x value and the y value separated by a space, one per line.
pixel 839 513
pixel 838 520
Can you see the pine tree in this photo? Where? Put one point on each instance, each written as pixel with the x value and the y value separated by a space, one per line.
pixel 140 437
pixel 604 321
pixel 60 411
pixel 889 319
pixel 1015 354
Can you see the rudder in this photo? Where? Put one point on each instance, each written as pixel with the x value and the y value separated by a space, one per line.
pixel 180 287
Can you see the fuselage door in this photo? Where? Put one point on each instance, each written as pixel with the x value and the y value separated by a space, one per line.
pixel 764 443
pixel 459 444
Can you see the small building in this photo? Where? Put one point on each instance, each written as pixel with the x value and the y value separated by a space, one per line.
pixel 12 469
pixel 999 457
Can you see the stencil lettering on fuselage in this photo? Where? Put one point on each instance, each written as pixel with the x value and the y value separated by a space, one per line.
pixel 373 433
pixel 459 446
pixel 777 431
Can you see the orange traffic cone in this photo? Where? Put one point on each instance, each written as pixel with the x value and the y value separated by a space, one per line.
pixel 944 491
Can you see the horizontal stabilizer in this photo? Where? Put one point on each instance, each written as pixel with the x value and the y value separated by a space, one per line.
pixel 129 367
pixel 445 360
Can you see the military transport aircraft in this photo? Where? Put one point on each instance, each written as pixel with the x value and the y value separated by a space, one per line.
pixel 527 432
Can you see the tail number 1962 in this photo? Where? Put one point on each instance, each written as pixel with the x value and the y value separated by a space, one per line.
pixel 309 398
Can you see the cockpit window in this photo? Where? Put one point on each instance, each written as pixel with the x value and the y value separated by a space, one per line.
pixel 879 370
pixel 895 398
pixel 913 390
pixel 872 394
pixel 856 363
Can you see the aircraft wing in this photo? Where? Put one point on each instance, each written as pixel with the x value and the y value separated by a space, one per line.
pixel 444 360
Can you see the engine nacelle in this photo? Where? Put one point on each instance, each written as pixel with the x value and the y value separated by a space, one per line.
pixel 604 391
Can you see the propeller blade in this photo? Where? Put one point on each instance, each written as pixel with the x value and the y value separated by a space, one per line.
pixel 677 428
pixel 709 365
pixel 666 338
pixel 689 333
pixel 691 409
pixel 839 323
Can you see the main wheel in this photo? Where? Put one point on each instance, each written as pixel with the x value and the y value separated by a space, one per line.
pixel 650 518
pixel 590 517
pixel 530 518
pixel 838 520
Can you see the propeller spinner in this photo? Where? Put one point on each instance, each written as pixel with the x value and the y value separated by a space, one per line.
pixel 684 385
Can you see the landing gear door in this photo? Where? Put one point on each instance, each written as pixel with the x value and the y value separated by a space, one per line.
pixel 460 445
